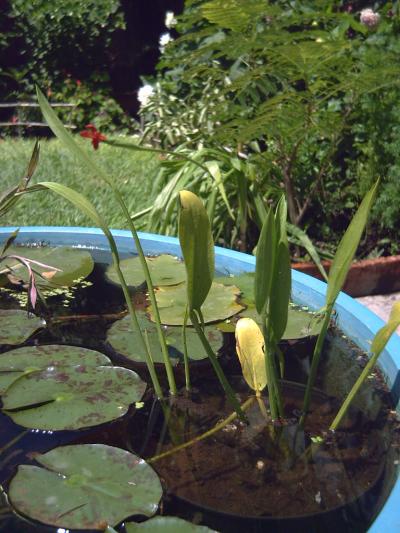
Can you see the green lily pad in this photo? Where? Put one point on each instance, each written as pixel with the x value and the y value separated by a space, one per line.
pixel 164 270
pixel 220 304
pixel 245 282
pixel 166 524
pixel 85 487
pixel 17 325
pixel 74 263
pixel 301 323
pixel 126 341
pixel 15 363
pixel 74 397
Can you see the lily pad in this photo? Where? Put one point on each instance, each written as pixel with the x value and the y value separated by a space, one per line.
pixel 74 264
pixel 164 270
pixel 126 341
pixel 16 363
pixel 220 304
pixel 74 397
pixel 166 524
pixel 85 487
pixel 245 282
pixel 301 323
pixel 17 325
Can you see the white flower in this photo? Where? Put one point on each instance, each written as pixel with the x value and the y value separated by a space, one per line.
pixel 170 20
pixel 165 39
pixel 144 94
pixel 369 18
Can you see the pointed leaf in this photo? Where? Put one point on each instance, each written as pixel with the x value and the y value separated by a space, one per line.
pixel 250 350
pixel 384 334
pixel 265 262
pixel 197 248
pixel 348 247
pixel 280 291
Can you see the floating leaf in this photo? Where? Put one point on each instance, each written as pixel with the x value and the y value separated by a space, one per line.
pixel 17 325
pixel 301 323
pixel 85 486
pixel 166 524
pixel 164 270
pixel 73 263
pixel 219 304
pixel 75 397
pixel 125 341
pixel 250 350
pixel 245 282
pixel 15 363
pixel 197 248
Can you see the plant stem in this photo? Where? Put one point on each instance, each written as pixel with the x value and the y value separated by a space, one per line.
pixel 143 262
pixel 314 365
pixel 274 395
pixel 185 352
pixel 203 436
pixel 217 367
pixel 354 390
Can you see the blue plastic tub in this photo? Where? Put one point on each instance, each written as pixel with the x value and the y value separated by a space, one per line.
pixel 355 320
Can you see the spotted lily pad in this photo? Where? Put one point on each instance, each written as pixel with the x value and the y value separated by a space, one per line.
pixel 73 397
pixel 73 263
pixel 126 341
pixel 16 363
pixel 85 487
pixel 220 303
pixel 166 524
pixel 164 270
pixel 17 325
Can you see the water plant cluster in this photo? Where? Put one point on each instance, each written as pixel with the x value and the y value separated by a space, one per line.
pixel 56 388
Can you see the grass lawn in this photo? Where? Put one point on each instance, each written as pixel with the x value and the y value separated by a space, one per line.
pixel 133 172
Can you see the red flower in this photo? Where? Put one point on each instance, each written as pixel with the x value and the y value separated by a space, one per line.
pixel 92 133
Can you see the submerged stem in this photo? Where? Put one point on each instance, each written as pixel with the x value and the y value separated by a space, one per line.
pixel 203 436
pixel 217 367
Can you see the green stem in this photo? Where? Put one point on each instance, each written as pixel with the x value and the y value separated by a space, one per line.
pixel 185 352
pixel 314 365
pixel 274 395
pixel 205 435
pixel 217 367
pixel 143 262
pixel 354 390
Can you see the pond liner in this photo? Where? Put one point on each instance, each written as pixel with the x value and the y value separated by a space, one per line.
pixel 357 322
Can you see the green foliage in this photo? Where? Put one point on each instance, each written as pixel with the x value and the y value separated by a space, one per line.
pixel 293 76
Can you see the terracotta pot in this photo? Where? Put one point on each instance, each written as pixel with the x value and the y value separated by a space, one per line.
pixel 369 276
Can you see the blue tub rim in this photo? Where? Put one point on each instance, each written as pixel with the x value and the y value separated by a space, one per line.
pixel 356 321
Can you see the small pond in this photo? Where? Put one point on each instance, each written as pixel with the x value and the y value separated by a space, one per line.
pixel 245 477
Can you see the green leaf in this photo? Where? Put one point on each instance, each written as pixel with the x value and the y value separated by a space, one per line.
pixel 16 325
pixel 250 350
pixel 348 247
pixel 15 363
pixel 72 397
pixel 219 304
pixel 85 487
pixel 280 291
pixel 384 334
pixel 164 270
pixel 74 264
pixel 197 248
pixel 265 261
pixel 166 524
pixel 125 341
pixel 303 240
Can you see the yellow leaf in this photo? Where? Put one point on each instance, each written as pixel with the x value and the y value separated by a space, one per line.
pixel 250 350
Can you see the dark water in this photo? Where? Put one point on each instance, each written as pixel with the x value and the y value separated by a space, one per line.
pixel 256 464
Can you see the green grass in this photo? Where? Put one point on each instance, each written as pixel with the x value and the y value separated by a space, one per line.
pixel 133 172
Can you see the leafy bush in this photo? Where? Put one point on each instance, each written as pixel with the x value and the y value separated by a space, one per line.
pixel 292 77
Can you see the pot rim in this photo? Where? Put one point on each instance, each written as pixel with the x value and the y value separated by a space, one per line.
pixel 356 321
